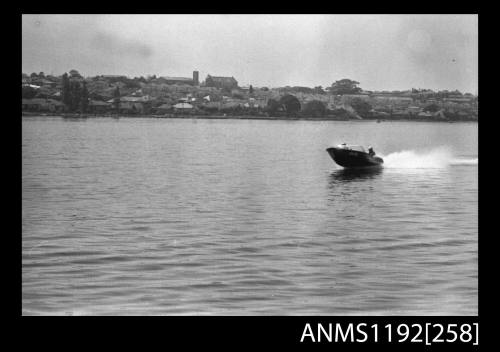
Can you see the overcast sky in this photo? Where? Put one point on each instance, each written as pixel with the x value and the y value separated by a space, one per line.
pixel 382 52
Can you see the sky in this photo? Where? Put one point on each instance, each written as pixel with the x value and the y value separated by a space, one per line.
pixel 382 52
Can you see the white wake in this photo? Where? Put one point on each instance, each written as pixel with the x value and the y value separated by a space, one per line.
pixel 436 158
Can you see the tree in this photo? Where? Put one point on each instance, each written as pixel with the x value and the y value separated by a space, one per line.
pixel 290 103
pixel 314 108
pixel 250 90
pixel 34 75
pixel 299 89
pixel 272 106
pixel 318 90
pixel 432 108
pixel 84 98
pixel 237 95
pixel 75 73
pixel 116 98
pixel 66 94
pixel 362 107
pixel 41 75
pixel 138 80
pixel 28 92
pixel 344 86
pixel 130 83
pixel 75 95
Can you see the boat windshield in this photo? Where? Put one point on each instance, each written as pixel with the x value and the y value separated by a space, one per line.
pixel 358 148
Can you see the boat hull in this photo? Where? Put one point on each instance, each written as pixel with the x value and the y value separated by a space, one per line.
pixel 353 159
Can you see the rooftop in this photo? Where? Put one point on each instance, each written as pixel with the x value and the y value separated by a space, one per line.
pixel 177 78
pixel 220 78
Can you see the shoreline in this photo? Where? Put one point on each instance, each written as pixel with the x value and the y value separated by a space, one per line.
pixel 236 117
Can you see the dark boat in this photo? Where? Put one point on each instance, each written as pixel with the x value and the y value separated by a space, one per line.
pixel 353 156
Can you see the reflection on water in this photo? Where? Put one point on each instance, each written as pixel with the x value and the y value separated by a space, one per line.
pixel 354 174
pixel 353 187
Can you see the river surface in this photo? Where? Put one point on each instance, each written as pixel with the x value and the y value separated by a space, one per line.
pixel 144 216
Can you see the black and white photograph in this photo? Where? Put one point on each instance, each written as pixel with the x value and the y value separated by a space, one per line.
pixel 249 165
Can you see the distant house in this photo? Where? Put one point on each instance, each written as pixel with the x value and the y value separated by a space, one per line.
pixel 31 86
pixel 221 82
pixel 163 108
pixel 53 78
pixel 253 104
pixel 133 105
pixel 381 113
pixel 96 106
pixel 32 104
pixel 213 105
pixel 395 101
pixel 183 107
pixel 413 110
pixel 56 105
pixel 176 80
pixel 44 83
pixel 459 100
pixel 244 89
pixel 42 105
pixel 113 76
pixel 46 92
pixel 349 98
pixel 137 93
pixel 440 114
pixel 424 114
pixel 231 105
pixel 194 81
pixel 142 98
pixel 259 103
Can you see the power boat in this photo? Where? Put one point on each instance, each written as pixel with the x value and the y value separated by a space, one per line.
pixel 354 156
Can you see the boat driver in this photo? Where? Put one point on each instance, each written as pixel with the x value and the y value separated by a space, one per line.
pixel 371 151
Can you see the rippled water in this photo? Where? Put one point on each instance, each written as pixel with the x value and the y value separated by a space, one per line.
pixel 186 217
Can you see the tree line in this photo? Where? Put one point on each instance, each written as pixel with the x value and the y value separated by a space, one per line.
pixel 74 95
